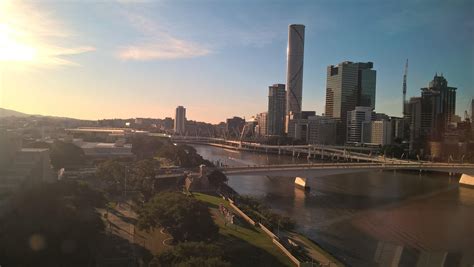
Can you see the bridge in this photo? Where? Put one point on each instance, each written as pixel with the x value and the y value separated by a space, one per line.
pixel 308 151
pixel 302 172
pixel 326 169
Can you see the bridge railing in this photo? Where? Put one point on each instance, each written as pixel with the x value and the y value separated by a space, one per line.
pixel 392 165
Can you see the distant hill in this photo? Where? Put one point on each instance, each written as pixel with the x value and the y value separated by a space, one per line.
pixel 11 113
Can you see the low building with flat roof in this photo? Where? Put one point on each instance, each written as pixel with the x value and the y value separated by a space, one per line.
pixel 95 150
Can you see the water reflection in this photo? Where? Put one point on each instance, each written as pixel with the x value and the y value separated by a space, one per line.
pixel 391 254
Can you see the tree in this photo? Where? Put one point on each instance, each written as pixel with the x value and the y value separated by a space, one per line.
pixel 51 224
pixel 217 178
pixel 145 147
pixel 183 155
pixel 112 173
pixel 143 178
pixel 185 218
pixel 66 154
pixel 191 254
pixel 395 150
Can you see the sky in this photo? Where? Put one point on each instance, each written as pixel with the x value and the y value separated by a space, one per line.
pixel 128 58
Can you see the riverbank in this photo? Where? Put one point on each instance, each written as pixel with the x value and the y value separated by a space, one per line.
pixel 253 246
pixel 305 249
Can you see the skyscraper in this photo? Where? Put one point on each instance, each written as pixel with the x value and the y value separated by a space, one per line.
pixel 349 85
pixel 438 107
pixel 413 117
pixel 276 109
pixel 180 121
pixel 294 69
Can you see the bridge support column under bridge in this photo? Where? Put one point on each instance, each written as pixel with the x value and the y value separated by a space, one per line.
pixel 467 180
pixel 300 182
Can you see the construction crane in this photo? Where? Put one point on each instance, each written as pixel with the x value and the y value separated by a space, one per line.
pixel 405 89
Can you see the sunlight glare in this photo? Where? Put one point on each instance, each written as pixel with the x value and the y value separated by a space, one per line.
pixel 12 49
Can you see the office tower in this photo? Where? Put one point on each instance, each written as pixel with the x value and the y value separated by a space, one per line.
pixel 438 107
pixel 322 130
pixel 262 124
pixel 294 69
pixel 180 121
pixel 413 118
pixel 349 85
pixel 355 118
pixel 276 109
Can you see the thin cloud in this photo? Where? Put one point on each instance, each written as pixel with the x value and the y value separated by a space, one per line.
pixel 158 44
pixel 168 49
pixel 30 36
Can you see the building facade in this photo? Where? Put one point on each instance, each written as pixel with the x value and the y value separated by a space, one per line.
pixel 180 121
pixel 349 85
pixel 378 132
pixel 438 107
pixel 294 70
pixel 355 119
pixel 276 109
pixel 298 125
pixel 261 128
pixel 413 119
pixel 322 130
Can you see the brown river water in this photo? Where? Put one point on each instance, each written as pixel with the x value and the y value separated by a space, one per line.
pixel 368 219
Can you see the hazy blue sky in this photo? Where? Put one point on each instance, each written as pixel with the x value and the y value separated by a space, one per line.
pixel 106 59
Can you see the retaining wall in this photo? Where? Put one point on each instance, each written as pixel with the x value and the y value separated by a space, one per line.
pixel 287 253
pixel 241 213
pixel 268 232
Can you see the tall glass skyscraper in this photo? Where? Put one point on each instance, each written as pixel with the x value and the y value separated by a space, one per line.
pixel 438 107
pixel 276 109
pixel 349 85
pixel 294 70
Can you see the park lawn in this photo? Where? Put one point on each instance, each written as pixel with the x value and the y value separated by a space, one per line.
pixel 254 247
pixel 316 247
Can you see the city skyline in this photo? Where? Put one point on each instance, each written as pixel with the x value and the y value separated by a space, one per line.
pixel 166 63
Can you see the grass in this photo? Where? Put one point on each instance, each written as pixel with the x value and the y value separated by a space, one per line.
pixel 316 247
pixel 247 245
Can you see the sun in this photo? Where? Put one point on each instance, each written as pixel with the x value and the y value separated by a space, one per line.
pixel 12 49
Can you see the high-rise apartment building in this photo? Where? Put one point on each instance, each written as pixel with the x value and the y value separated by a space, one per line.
pixel 349 85
pixel 294 70
pixel 180 120
pixel 276 109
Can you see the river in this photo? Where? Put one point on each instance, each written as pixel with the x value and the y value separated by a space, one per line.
pixel 368 219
